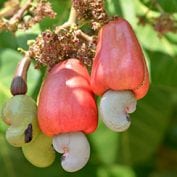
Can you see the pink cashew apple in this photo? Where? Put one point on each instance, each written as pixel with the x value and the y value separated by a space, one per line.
pixel 119 73
pixel 66 102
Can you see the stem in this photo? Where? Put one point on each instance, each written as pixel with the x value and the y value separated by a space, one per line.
pixel 20 12
pixel 70 22
pixel 72 16
pixel 84 35
pixel 23 66
pixel 13 22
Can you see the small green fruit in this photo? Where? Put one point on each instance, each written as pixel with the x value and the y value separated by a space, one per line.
pixel 39 152
pixel 20 113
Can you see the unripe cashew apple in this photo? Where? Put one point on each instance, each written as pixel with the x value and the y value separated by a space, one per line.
pixel 39 152
pixel 20 113
pixel 119 62
pixel 66 102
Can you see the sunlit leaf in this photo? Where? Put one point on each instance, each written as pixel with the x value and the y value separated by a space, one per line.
pixel 113 7
pixel 116 171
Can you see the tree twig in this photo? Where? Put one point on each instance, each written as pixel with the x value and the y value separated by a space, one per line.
pixel 12 23
pixel 21 11
pixel 84 35
pixel 70 22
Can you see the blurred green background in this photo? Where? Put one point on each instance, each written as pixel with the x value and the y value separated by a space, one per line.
pixel 149 147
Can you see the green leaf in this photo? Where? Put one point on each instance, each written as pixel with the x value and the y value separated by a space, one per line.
pixel 22 37
pixel 116 171
pixel 113 7
pixel 149 123
pixel 105 144
pixel 9 59
pixel 1 3
pixel 164 4
pixel 163 71
pixel 149 40
pixel 8 40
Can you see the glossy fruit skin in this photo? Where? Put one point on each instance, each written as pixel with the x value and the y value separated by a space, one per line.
pixel 119 62
pixel 66 102
pixel 19 112
pixel 39 152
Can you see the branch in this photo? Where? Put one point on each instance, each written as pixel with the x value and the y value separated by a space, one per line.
pixel 70 22
pixel 10 7
pixel 18 16
pixel 12 23
pixel 84 35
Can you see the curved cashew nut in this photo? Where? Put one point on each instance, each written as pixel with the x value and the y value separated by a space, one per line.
pixel 114 109
pixel 75 149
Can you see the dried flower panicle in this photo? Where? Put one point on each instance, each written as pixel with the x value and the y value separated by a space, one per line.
pixel 91 10
pixel 21 19
pixel 41 11
pixel 51 48
pixel 165 23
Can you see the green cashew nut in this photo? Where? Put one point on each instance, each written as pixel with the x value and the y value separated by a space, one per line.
pixel 20 112
pixel 39 151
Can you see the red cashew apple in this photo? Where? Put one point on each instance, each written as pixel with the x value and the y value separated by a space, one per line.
pixel 66 102
pixel 119 62
pixel 119 73
pixel 66 110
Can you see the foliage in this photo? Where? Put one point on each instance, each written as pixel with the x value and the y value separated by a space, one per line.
pixel 150 145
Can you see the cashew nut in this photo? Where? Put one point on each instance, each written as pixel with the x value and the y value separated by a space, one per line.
pixel 75 149
pixel 114 109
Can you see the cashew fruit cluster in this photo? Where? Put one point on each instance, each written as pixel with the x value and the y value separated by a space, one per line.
pixel 67 110
pixel 20 113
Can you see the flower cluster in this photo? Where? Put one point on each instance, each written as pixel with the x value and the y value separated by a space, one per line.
pixel 18 18
pixel 91 10
pixel 51 48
